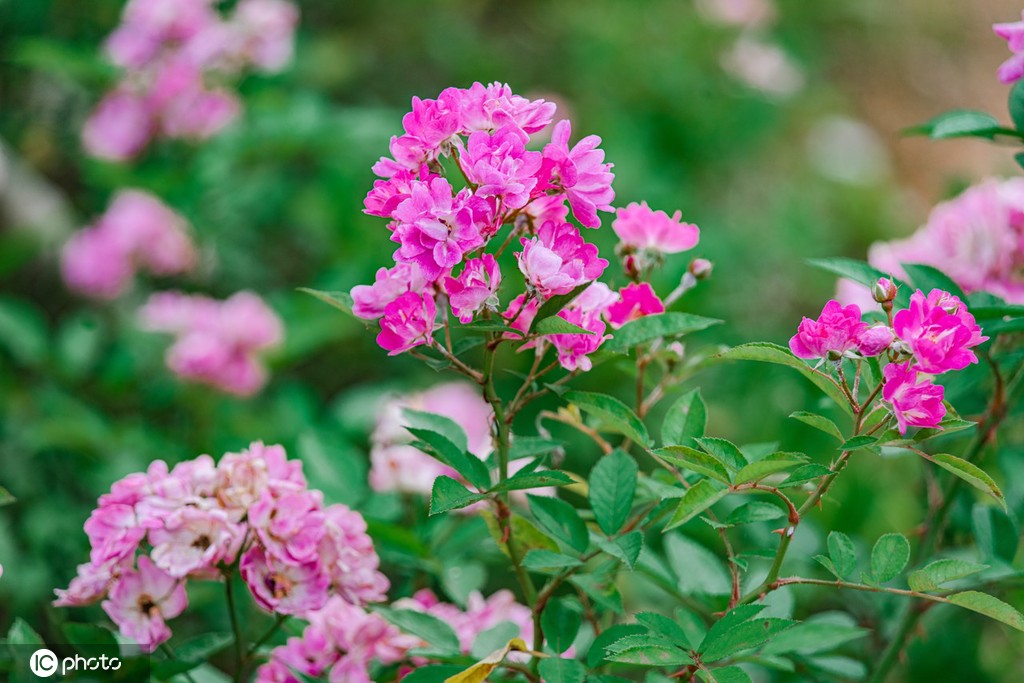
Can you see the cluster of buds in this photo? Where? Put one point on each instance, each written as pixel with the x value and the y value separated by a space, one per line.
pixel 170 51
pixel 934 335
pixel 252 513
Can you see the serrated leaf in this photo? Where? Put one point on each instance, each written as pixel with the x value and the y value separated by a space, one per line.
pixel 934 574
pixel 730 620
pixel 558 325
pixel 533 480
pixel 554 305
pixel 626 547
pixel 755 511
pixel 764 352
pixel 561 520
pixel 531 446
pixel 651 327
pixel 858 442
pixel 927 278
pixel 612 487
pixel 696 461
pixel 812 637
pixel 487 326
pixel 547 560
pixel 698 570
pixel 805 473
pixel 597 653
pixel 665 627
pixel 685 420
pixel 970 473
pixel 773 464
pixel 745 636
pixel 990 606
pixel 436 673
pixel 555 670
pixel 889 556
pixel 466 464
pixel 727 674
pixel 426 627
pixel 819 422
pixel 613 414
pixel 725 450
pixel 696 500
pixel 560 624
pixel 650 655
pixel 842 553
pixel 448 494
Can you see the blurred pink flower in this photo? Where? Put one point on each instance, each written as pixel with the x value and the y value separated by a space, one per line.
pixel 1012 69
pixel 641 228
pixel 119 128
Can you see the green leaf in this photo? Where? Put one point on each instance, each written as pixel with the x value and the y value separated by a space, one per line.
pixel 649 655
pixel 651 327
pixel 612 487
pixel 561 520
pixel 773 464
pixel 695 461
pixel 531 446
pixel 755 511
pixel 745 636
pixel 992 607
pixel 533 480
pixel 493 639
pixel 23 331
pixel 1016 106
pixel 92 637
pixel 819 422
pixel 927 278
pixel 696 500
pixel 449 494
pixel 21 633
pixel 6 498
pixel 547 560
pixel 862 273
pixel 665 627
pixel 560 624
pixel 597 653
pixel 960 123
pixel 812 637
pixel 685 420
pixel 772 353
pixel 858 442
pixel 842 553
pixel 558 325
pixel 445 440
pixel 555 670
pixel 698 570
pixel 889 556
pixel 429 628
pixel 730 620
pixel 439 424
pixel 972 474
pixel 724 450
pixel 805 473
pixel 339 300
pixel 192 653
pixel 626 547
pixel 613 413
pixel 995 533
pixel 435 673
pixel 554 305
pixel 727 674
pixel 934 574
pixel 488 326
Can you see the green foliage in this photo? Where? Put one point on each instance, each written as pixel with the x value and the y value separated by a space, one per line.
pixel 612 488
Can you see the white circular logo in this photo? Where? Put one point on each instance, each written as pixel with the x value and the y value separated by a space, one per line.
pixel 43 663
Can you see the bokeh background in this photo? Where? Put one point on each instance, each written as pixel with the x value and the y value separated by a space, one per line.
pixel 779 135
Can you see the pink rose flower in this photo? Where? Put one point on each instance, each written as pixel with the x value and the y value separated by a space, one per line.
pixel 584 311
pixel 490 107
pixel 475 288
pixel 349 558
pixel 875 340
pixel 580 172
pixel 642 229
pixel 369 301
pixel 289 526
pixel 142 600
pixel 408 322
pixel 283 587
pixel 194 540
pixel 94 264
pixel 635 301
pixel 268 30
pixel 119 128
pixel 939 331
pixel 558 260
pixel 500 166
pixel 915 403
pixel 1012 69
pixel 834 333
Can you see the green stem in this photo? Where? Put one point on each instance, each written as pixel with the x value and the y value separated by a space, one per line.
pixel 235 628
pixel 799 580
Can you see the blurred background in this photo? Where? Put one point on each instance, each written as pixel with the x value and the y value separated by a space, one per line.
pixel 774 125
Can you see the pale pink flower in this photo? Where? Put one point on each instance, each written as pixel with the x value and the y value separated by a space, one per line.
pixel 194 540
pixel 635 301
pixel 402 468
pixel 435 229
pixel 500 166
pixel 349 558
pixel 914 402
pixel 275 671
pixel 834 333
pixel 91 583
pixel 289 526
pixel 142 600
pixel 939 331
pixel 268 30
pixel 558 260
pixel 115 532
pixel 282 587
pixel 93 263
pixel 199 114
pixel 475 288
pixel 1012 69
pixel 580 172
pixel 243 477
pixel 584 311
pixel 119 128
pixel 764 66
pixel 642 229
pixel 369 301
pixel 408 322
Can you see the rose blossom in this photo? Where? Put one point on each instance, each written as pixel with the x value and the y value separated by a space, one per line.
pixel 830 336
pixel 475 288
pixel 914 403
pixel 635 301
pixel 1012 69
pixel 939 331
pixel 643 229
pixel 875 340
pixel 558 260
pixel 408 322
pixel 141 600
pixel 580 173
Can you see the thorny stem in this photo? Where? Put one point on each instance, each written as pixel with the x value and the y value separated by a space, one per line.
pixel 799 580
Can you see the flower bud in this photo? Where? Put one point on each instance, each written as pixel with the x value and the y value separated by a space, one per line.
pixel 701 268
pixel 883 291
pixel 875 340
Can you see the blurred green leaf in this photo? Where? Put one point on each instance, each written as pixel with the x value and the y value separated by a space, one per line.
pixel 771 353
pixel 990 606
pixel 651 327
pixel 561 520
pixel 613 414
pixel 934 574
pixel 889 556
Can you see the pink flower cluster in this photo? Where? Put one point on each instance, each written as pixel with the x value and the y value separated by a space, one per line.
pixel 216 342
pixel 977 239
pixel 137 232
pixel 176 57
pixel 200 520
pixel 934 335
pixel 645 236
pixel 1012 70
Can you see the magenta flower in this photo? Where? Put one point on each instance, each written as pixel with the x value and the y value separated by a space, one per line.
pixel 283 587
pixel 435 229
pixel 141 600
pixel 387 194
pixel 939 331
pixel 875 340
pixel 475 288
pixel 635 301
pixel 369 301
pixel 500 166
pixel 95 265
pixel 119 128
pixel 433 123
pixel 642 229
pixel 289 525
pixel 558 260
pixel 490 107
pixel 914 403
pixel 1012 69
pixel 834 333
pixel 580 172
pixel 408 322
pixel 584 311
